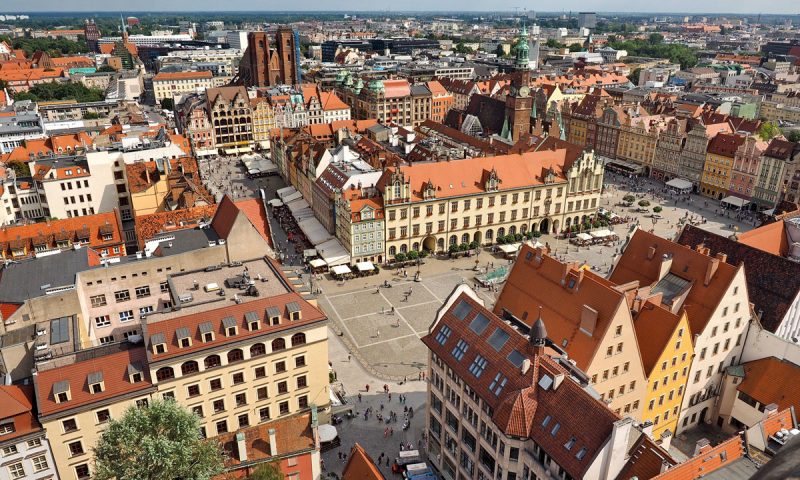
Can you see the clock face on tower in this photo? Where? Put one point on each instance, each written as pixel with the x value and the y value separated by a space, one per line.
pixel 524 91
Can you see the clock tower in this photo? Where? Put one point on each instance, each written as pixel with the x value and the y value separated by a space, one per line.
pixel 519 101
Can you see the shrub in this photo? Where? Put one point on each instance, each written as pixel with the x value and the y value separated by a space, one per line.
pixel 629 198
pixel 657 209
pixel 400 257
pixel 644 203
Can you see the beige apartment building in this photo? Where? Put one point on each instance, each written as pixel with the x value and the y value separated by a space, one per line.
pixel 167 85
pixel 586 317
pixel 427 206
pixel 714 295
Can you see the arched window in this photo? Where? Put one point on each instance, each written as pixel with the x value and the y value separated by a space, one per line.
pixel 512 230
pixel 235 355
pixel 501 232
pixel 278 344
pixel 404 248
pixel 489 234
pixel 258 349
pixel 453 239
pixel 392 250
pixel 415 246
pixel 212 361
pixel 465 238
pixel 298 339
pixel 189 367
pixel 164 373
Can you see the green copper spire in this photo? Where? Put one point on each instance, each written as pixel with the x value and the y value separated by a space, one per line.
pixel 522 61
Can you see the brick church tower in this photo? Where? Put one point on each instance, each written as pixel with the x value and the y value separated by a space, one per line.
pixel 264 65
pixel 519 101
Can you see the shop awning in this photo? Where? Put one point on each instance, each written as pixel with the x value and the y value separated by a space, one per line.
pixel 680 184
pixel 365 266
pixel 735 201
pixel 510 248
pixel 313 230
pixel 291 197
pixel 601 233
pixel 296 205
pixel 309 252
pixel 317 263
pixel 275 202
pixel 584 236
pixel 327 433
pixel 333 252
pixel 341 270
pixel 285 191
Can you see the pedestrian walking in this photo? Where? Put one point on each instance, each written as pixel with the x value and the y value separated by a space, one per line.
pixel 359 397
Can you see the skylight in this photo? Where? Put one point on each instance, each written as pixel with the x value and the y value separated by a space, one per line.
pixel 497 384
pixel 478 365
pixel 443 335
pixel 581 453
pixel 462 310
pixel 498 339
pixel 570 443
pixel 546 420
pixel 479 323
pixel 516 358
pixel 460 349
pixel 555 429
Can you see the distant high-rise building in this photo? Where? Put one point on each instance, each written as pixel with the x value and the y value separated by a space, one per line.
pixel 237 39
pixel 587 20
pixel 92 34
pixel 264 65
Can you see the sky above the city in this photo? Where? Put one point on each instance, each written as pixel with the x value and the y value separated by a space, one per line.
pixel 687 6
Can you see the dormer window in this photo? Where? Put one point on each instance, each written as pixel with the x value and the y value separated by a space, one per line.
pixel 493 182
pixel 252 320
pixel 135 374
pixel 158 343
pixel 274 315
pixel 95 381
pixel 294 311
pixel 430 191
pixel 184 339
pixel 207 331
pixel 61 391
pixel 229 324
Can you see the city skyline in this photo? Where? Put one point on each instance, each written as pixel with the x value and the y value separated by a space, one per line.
pixel 678 7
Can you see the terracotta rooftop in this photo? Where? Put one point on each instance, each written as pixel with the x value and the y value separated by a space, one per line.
pixel 514 171
pixel 88 230
pixel 360 466
pixel 253 208
pixel 493 365
pixel 725 144
pixel 533 284
pixel 771 380
pixel 293 435
pixel 149 226
pixel 641 261
pixel 116 369
pixel 708 460
pixel 647 460
pixel 654 327
pixel 18 406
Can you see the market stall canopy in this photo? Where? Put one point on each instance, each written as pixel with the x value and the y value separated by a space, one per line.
pixel 341 270
pixel 510 248
pixel 285 191
pixel 258 164
pixel 292 197
pixel 333 252
pixel 327 433
pixel 735 201
pixel 365 266
pixel 313 230
pixel 317 262
pixel 275 202
pixel 584 236
pixel 601 233
pixel 680 184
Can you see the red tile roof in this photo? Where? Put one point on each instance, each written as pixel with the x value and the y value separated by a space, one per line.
pixel 688 264
pixel 148 226
pixel 309 314
pixel 524 408
pixel 780 420
pixel 770 238
pixel 76 229
pixel 771 380
pixel 531 285
pixel 708 460
pixel 293 435
pixel 360 466
pixel 654 327
pixel 254 210
pixel 647 460
pixel 114 367
pixel 17 402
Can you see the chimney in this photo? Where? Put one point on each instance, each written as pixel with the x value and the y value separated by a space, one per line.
pixel 711 269
pixel 588 320
pixel 647 429
pixel 702 446
pixel 241 446
pixel 666 440
pixel 617 453
pixel 273 443
pixel 651 252
pixel 666 264
pixel 557 380
pixel 526 365
pixel 723 257
pixel 770 410
pixel 701 248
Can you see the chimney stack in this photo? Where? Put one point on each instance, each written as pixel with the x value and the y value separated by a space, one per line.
pixel 273 443
pixel 241 446
pixel 702 446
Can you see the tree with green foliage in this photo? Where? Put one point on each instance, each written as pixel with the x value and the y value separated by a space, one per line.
pixel 675 52
pixel 107 69
pixel 500 51
pixel 160 441
pixel 793 136
pixel 462 49
pixel 168 104
pixel 768 130
pixel 267 471
pixel 575 47
pixel 655 38
pixel 553 43
pixel 54 47
pixel 91 116
pixel 657 209
pixel 644 203
pixel 43 92
pixel 634 76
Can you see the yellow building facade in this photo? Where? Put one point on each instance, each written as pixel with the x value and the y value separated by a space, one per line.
pixel 716 178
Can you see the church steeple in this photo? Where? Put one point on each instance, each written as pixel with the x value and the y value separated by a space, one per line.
pixel 522 61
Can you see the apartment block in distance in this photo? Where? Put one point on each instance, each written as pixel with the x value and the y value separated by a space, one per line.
pixel 169 84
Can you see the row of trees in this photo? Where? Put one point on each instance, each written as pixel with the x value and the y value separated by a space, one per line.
pixel 54 47
pixel 44 92
pixel 654 46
